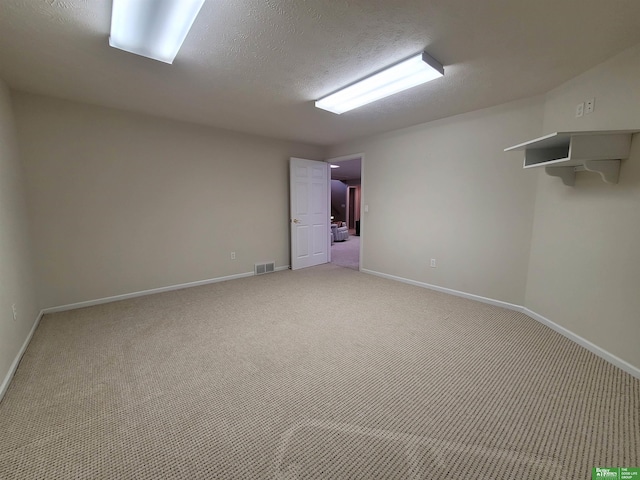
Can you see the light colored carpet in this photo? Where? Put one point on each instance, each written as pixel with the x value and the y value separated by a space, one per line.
pixel 322 373
pixel 347 253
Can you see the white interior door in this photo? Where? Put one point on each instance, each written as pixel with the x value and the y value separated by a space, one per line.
pixel 309 209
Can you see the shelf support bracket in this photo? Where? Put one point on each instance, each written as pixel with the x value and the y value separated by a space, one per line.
pixel 567 174
pixel 609 170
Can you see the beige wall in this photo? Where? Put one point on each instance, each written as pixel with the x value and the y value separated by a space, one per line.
pixel 614 84
pixel 17 285
pixel 446 190
pixel 122 202
pixel 584 272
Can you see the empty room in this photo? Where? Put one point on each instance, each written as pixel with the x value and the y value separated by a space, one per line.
pixel 181 297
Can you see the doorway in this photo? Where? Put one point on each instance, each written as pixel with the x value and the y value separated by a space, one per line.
pixel 345 205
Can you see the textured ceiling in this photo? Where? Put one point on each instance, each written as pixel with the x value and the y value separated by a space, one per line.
pixel 257 65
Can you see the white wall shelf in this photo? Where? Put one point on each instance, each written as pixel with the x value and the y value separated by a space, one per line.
pixel 565 153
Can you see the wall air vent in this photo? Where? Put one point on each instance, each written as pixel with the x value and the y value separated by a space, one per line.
pixel 262 268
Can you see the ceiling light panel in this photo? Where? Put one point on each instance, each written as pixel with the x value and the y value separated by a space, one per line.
pixel 152 28
pixel 409 73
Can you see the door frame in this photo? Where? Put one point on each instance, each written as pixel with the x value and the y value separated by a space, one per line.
pixel 339 159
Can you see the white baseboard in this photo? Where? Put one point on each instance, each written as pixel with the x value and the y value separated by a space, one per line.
pixel 115 298
pixel 457 293
pixel 14 366
pixel 618 362
pixel 593 348
pixel 142 293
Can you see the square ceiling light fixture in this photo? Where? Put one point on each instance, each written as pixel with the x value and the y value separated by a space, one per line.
pixel 409 73
pixel 152 28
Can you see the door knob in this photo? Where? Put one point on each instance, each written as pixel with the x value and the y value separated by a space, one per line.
pixel 295 220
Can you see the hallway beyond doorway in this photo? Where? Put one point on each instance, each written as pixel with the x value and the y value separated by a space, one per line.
pixel 347 254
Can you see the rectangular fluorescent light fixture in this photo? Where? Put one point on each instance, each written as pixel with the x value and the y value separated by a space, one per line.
pixel 152 28
pixel 409 73
pixel 335 166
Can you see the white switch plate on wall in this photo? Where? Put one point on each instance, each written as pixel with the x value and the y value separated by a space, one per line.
pixel 589 106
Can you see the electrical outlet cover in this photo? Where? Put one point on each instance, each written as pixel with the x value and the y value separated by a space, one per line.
pixel 589 106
